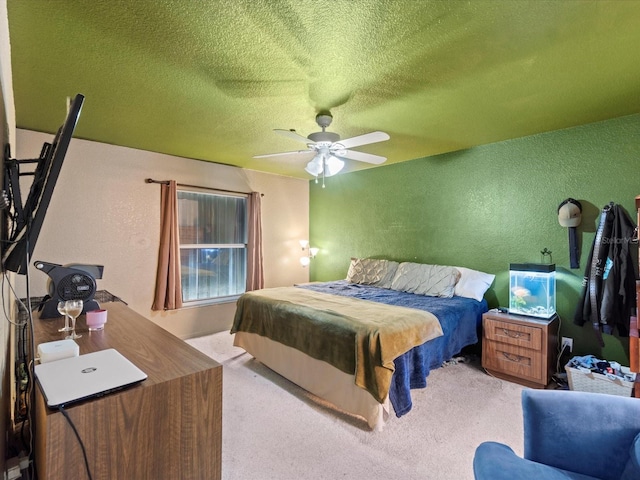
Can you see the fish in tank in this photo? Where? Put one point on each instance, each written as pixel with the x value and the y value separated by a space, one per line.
pixel 532 289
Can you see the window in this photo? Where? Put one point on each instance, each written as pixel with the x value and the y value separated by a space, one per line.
pixel 213 245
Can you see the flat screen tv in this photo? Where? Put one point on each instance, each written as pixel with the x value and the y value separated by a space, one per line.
pixel 25 220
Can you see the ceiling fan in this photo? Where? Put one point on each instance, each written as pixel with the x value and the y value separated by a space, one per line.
pixel 330 150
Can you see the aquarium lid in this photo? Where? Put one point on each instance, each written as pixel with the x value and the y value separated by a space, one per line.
pixel 533 267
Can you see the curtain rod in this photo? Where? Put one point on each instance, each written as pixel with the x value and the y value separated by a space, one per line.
pixel 166 182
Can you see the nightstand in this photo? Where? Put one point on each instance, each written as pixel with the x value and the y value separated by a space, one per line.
pixel 520 349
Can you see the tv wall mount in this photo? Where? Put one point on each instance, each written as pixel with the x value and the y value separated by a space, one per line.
pixel 12 174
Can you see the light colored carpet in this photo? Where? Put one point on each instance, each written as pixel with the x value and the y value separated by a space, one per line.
pixel 272 429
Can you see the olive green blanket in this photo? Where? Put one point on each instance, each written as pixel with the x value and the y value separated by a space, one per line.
pixel 356 336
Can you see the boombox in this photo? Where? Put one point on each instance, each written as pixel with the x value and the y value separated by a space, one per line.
pixel 69 282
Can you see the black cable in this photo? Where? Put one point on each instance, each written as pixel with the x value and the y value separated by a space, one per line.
pixel 84 452
pixel 30 367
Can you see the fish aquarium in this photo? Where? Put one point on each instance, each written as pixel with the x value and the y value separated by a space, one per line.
pixel 532 289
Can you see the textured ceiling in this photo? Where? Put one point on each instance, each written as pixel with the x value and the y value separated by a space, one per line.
pixel 210 80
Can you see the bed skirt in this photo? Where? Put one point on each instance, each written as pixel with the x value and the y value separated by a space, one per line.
pixel 317 377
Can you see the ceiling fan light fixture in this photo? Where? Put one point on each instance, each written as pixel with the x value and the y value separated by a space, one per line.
pixel 332 165
pixel 314 167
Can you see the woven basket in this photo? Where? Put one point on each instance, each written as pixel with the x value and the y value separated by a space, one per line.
pixel 597 383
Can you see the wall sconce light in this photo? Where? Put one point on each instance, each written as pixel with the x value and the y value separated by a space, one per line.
pixel 309 253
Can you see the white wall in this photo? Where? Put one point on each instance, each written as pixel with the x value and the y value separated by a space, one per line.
pixel 102 212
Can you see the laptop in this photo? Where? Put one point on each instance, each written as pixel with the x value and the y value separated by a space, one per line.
pixel 86 376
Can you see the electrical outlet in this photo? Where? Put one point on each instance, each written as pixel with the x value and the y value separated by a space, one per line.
pixel 567 343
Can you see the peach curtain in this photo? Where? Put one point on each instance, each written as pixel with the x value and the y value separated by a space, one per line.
pixel 255 276
pixel 168 295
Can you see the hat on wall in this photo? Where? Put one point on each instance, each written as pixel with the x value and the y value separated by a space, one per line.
pixel 570 213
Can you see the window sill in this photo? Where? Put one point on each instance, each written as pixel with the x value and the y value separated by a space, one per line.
pixel 211 301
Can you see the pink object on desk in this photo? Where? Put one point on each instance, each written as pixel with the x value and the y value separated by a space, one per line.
pixel 96 319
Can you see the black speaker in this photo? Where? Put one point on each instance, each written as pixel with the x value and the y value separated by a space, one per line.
pixel 70 282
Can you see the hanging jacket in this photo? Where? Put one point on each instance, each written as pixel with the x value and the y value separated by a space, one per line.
pixel 608 287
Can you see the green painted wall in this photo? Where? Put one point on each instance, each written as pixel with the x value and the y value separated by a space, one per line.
pixel 484 208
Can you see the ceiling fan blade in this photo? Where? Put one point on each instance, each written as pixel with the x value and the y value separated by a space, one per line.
pixel 363 157
pixel 365 139
pixel 293 135
pixel 296 152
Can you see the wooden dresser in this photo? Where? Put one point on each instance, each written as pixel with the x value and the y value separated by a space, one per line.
pixel 168 427
pixel 520 349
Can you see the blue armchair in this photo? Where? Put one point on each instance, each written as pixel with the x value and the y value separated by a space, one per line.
pixel 569 435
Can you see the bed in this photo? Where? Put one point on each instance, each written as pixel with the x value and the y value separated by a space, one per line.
pixel 308 333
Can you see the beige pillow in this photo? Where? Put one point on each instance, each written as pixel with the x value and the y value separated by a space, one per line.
pixel 370 271
pixel 424 279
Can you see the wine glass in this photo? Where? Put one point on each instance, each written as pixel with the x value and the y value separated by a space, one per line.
pixel 62 310
pixel 74 308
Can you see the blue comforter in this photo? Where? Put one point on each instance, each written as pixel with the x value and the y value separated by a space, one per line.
pixel 460 319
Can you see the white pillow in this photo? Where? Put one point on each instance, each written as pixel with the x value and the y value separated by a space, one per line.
pixel 472 283
pixel 424 279
pixel 370 271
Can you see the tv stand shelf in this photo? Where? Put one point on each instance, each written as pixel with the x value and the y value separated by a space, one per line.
pixel 143 431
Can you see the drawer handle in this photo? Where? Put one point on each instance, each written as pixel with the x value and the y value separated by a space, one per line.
pixel 513 358
pixel 511 334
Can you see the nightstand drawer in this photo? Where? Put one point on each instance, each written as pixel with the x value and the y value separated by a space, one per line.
pixel 513 334
pixel 513 360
